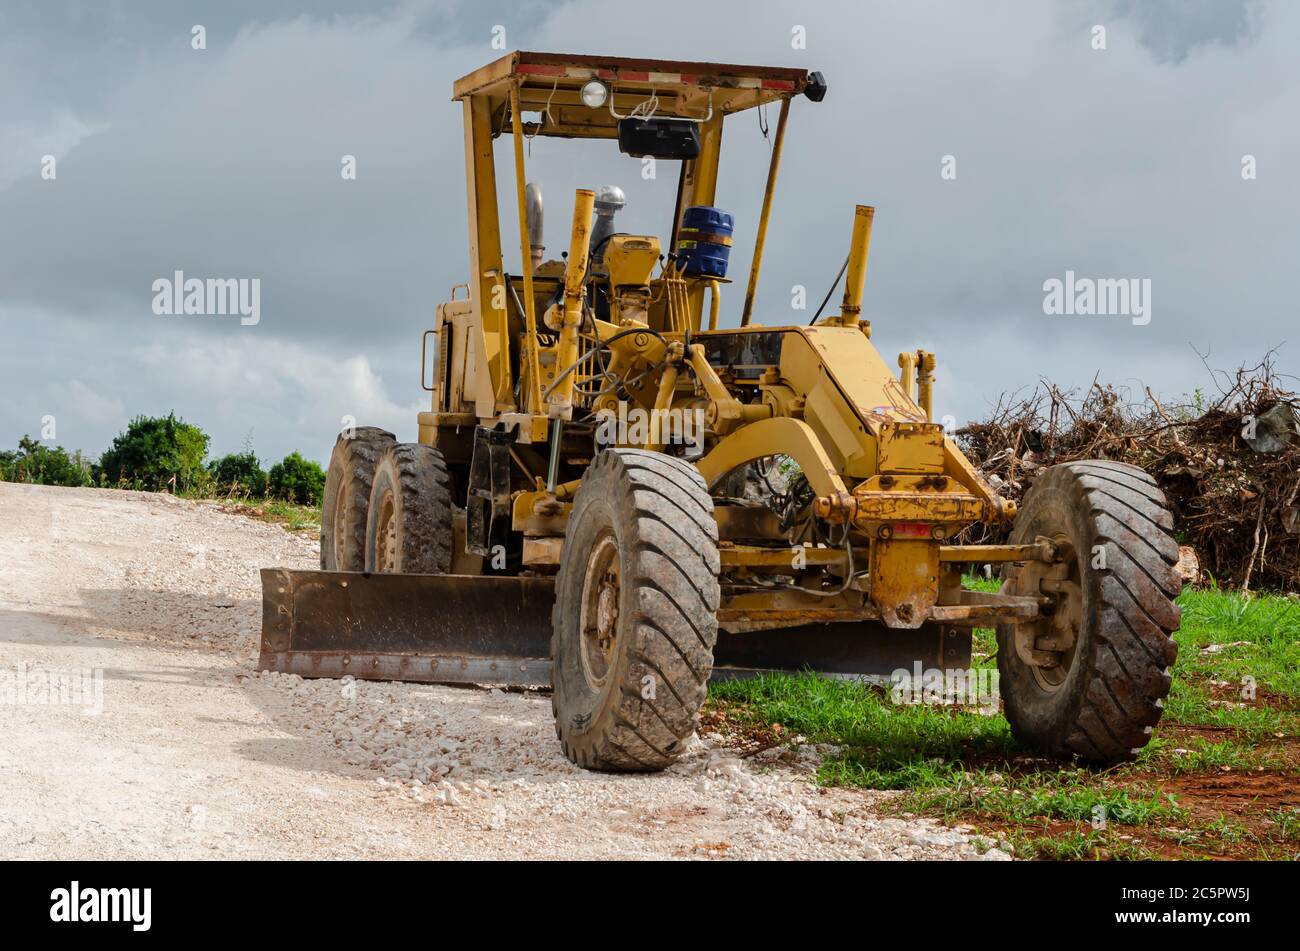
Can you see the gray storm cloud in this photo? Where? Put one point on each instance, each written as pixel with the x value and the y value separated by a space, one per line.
pixel 225 163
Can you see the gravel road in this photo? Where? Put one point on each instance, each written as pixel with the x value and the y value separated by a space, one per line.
pixel 135 725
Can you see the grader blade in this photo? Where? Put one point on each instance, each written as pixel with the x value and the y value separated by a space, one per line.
pixel 497 630
pixel 425 628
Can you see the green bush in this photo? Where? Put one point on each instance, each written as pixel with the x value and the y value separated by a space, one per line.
pixel 240 473
pixel 152 450
pixel 42 465
pixel 297 480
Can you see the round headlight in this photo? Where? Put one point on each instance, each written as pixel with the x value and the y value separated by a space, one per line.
pixel 594 93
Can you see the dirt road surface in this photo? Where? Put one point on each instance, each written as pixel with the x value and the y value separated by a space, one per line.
pixel 177 748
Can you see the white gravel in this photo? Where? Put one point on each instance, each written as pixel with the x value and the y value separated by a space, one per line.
pixel 196 754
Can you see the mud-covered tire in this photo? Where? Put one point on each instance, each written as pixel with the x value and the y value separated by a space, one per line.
pixel 408 521
pixel 1112 693
pixel 652 514
pixel 347 496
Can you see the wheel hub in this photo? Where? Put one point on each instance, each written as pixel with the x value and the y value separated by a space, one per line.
pixel 1047 645
pixel 606 612
pixel 599 614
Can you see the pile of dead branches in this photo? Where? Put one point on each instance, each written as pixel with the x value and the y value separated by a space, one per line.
pixel 1229 468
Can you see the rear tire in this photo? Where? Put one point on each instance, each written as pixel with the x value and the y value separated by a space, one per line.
pixel 347 497
pixel 1107 693
pixel 635 617
pixel 408 522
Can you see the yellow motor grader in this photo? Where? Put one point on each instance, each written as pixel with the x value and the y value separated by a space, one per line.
pixel 614 495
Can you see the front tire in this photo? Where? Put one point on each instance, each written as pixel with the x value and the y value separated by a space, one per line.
pixel 1099 698
pixel 408 522
pixel 347 497
pixel 635 617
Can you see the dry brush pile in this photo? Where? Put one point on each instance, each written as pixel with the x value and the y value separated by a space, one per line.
pixel 1230 469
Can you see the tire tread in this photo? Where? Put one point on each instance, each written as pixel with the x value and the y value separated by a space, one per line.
pixel 673 568
pixel 1135 617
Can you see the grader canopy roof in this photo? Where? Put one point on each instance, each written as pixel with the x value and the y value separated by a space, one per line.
pixel 553 85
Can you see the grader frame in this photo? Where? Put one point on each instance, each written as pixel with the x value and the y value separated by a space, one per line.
pixel 860 575
pixel 820 395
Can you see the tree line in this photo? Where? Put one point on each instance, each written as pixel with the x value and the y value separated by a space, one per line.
pixel 157 453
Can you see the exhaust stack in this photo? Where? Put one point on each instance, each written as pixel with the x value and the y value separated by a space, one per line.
pixel 609 199
pixel 533 213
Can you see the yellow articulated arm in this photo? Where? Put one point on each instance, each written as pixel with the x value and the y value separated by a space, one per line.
pixel 790 437
pixel 872 457
pixel 560 401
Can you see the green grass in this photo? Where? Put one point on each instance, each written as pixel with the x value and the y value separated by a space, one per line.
pixel 957 763
pixel 1060 795
pixel 984 643
pixel 987 585
pixel 1287 822
pixel 1200 755
pixel 886 746
pixel 1076 845
pixel 1231 640
pixel 291 515
pixel 295 517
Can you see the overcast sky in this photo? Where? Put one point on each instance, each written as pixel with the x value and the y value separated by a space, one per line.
pixel 225 162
